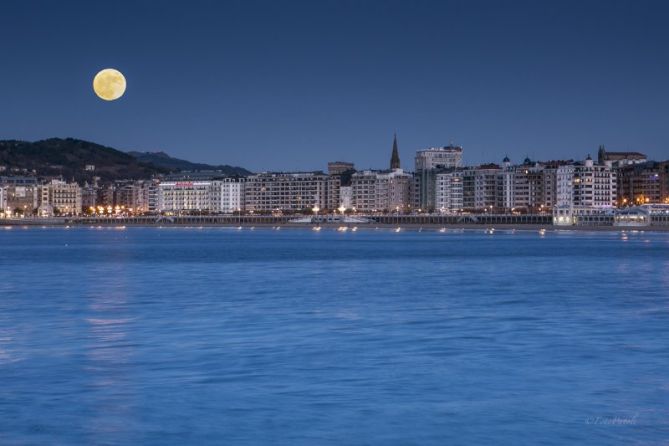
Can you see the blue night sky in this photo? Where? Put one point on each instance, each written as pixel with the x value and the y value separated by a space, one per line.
pixel 290 85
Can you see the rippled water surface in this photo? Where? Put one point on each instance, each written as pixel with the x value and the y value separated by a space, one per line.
pixel 218 336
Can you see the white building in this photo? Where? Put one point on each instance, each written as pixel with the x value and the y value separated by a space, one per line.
pixel 381 191
pixel 448 192
pixel 59 197
pixel 505 186
pixel 227 195
pixel 586 185
pixel 565 190
pixel 184 196
pixel 439 157
pixel 217 196
pixel 427 163
pixel 293 192
pixel 3 200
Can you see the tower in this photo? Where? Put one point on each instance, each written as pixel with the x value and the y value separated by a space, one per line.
pixel 395 157
pixel 507 162
pixel 601 155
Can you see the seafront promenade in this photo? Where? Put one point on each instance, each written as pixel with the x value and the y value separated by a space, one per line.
pixel 291 220
pixel 485 221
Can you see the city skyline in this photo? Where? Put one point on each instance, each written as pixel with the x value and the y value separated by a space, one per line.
pixel 297 222
pixel 288 89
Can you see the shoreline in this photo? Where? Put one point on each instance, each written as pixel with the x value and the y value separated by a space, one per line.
pixel 413 227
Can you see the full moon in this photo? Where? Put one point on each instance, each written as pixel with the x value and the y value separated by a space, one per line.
pixel 109 84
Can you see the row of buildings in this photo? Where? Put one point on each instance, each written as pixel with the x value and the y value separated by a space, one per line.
pixel 440 183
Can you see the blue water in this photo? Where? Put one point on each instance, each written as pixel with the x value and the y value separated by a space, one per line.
pixel 217 336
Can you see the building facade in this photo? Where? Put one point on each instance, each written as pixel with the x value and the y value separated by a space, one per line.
pixel 228 195
pixel 3 200
pixel 59 198
pixel 586 185
pixel 184 196
pixel 449 192
pixel 428 163
pixel 381 191
pixel 292 192
pixel 643 183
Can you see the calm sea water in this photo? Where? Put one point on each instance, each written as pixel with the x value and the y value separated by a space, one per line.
pixel 217 336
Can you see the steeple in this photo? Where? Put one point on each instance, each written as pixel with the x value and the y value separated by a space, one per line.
pixel 601 154
pixel 395 158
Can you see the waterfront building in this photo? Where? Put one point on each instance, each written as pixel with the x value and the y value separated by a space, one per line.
pixel 128 194
pixel 227 195
pixel 339 173
pixel 565 191
pixel 586 185
pixel 105 195
pixel 89 195
pixel 505 187
pixel 427 163
pixel 3 200
pixel 151 190
pixel 381 191
pixel 548 192
pixel 21 199
pixel 333 191
pixel 479 188
pixel 643 183
pixel 363 191
pixel 449 191
pixel 135 196
pixel 534 188
pixel 292 192
pixel 184 196
pixel 59 198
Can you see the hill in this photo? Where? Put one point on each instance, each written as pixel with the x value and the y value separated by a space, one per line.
pixel 69 157
pixel 162 159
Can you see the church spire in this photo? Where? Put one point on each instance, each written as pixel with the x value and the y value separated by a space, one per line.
pixel 395 158
pixel 601 154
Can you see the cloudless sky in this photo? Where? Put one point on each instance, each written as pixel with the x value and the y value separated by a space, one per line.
pixel 290 85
